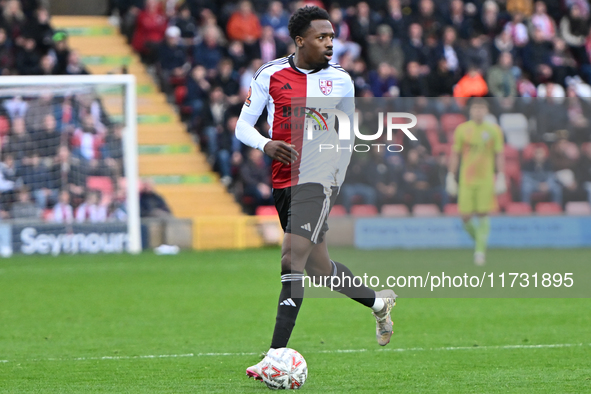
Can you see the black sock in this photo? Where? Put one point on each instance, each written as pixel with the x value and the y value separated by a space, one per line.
pixel 290 302
pixel 363 295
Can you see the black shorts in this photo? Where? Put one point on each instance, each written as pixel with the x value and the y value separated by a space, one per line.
pixel 303 209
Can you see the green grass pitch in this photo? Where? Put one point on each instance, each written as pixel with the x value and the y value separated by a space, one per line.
pixel 192 323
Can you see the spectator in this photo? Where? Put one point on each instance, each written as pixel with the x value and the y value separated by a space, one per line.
pixel 501 80
pixel 19 142
pixel 172 59
pixel 577 111
pixel 90 211
pixel 112 149
pixel 471 85
pixel 67 174
pixel 24 208
pixel 47 140
pixel 451 51
pixel 478 54
pixel 538 177
pixel 342 43
pixel 413 84
pixel 6 53
pixel 186 24
pixel 256 178
pixel 14 20
pixel 75 65
pixel 490 25
pixel 36 176
pixel 62 211
pixel 517 30
pixel 427 17
pixel 414 48
pixel 244 24
pixel 239 58
pixel 542 21
pixel 268 47
pixel 152 205
pixel 277 19
pixel 562 62
pixel 27 58
pixel 574 28
pixel 387 180
pixel 228 150
pixel 40 30
pixel 363 25
pixel 382 82
pixel 359 188
pixel 47 65
pixel 149 31
pixel 442 80
pixel 386 50
pixel 60 52
pixel 536 58
pixel 415 179
pixel 209 52
pixel 197 92
pixel 86 141
pixel 395 19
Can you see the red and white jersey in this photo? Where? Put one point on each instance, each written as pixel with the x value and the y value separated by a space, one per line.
pixel 289 94
pixel 92 213
pixel 63 213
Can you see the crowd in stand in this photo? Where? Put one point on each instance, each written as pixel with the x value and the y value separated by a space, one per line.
pixel 517 52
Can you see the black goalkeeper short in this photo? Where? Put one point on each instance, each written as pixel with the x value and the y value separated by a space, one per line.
pixel 303 209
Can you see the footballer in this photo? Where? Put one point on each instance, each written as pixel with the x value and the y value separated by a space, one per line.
pixel 305 181
pixel 479 144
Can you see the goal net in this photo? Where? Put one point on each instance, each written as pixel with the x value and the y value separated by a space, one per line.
pixel 68 165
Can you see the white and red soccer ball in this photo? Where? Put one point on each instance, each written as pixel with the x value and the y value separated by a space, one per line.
pixel 284 369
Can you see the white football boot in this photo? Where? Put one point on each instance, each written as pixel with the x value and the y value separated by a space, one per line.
pixel 255 371
pixel 383 320
pixel 479 259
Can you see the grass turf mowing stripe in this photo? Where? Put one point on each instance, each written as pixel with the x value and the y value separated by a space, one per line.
pixel 413 349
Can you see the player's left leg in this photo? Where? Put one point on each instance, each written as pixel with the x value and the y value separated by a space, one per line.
pixel 381 303
pixel 485 203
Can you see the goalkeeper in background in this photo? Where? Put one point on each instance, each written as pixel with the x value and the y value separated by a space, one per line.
pixel 480 145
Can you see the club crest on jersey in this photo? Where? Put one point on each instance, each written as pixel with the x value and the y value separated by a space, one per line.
pixel 325 87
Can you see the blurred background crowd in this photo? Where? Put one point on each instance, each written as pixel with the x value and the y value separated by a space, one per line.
pixel 532 58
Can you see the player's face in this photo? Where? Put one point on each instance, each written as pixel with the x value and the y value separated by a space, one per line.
pixel 316 44
pixel 478 112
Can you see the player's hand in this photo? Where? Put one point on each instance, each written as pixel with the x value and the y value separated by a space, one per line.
pixel 281 151
pixel 451 186
pixel 500 184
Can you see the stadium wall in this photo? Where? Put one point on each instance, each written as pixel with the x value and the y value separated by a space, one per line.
pixel 446 232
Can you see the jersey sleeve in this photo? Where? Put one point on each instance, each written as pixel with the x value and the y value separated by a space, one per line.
pixel 258 96
pixel 458 139
pixel 498 140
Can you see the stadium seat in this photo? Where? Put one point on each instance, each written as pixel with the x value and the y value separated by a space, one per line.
pixel 577 208
pixel 449 122
pixel 518 209
pixel 4 126
pixel 180 92
pixel 337 211
pixel 548 208
pixel 425 210
pixel 100 183
pixel 528 151
pixel 266 210
pixel 394 210
pixel 515 128
pixel 427 122
pixel 451 210
pixel 364 210
pixel 491 119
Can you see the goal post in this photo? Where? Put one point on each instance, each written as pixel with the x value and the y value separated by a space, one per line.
pixel 95 89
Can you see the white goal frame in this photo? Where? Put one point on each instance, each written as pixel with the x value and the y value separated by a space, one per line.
pixel 130 149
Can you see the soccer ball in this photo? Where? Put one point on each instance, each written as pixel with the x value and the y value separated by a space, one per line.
pixel 284 369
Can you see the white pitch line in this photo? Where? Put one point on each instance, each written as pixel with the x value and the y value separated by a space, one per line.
pixel 336 351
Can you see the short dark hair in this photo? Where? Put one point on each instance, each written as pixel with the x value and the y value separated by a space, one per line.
pixel 301 19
